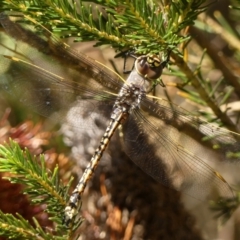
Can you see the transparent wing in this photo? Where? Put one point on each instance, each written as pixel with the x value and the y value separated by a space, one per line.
pixel 166 144
pixel 51 95
pixel 211 136
pixel 51 46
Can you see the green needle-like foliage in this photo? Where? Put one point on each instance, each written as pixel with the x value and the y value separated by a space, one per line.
pixel 41 185
pixel 18 228
pixel 225 207
pixel 145 26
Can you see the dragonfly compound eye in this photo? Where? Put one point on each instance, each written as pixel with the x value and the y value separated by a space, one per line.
pixel 149 66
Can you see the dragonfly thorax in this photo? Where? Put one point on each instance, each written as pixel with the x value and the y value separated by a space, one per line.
pixel 129 98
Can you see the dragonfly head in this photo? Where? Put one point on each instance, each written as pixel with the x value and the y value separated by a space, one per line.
pixel 149 66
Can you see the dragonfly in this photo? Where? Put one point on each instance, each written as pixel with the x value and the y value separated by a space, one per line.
pixel 158 136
